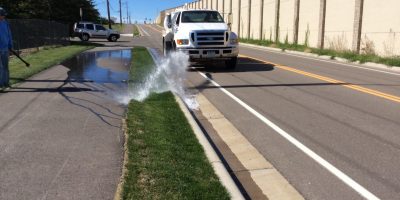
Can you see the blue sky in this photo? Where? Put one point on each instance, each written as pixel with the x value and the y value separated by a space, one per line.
pixel 139 9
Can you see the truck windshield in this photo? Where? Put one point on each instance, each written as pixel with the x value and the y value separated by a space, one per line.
pixel 201 17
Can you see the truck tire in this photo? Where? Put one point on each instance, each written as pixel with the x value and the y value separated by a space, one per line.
pixel 167 48
pixel 231 63
pixel 112 38
pixel 85 37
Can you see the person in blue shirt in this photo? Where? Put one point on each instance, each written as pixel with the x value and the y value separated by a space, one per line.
pixel 5 46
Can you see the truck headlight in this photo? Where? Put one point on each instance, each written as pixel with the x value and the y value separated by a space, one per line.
pixel 234 41
pixel 182 42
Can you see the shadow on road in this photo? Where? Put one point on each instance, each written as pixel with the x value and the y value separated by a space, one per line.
pixel 92 77
pixel 244 65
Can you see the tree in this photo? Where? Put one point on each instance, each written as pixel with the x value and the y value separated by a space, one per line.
pixel 66 11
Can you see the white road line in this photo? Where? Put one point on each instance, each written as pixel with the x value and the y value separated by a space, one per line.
pixel 335 171
pixel 311 58
pixel 127 34
pixel 145 32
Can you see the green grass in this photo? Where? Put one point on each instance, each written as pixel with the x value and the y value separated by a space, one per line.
pixel 136 31
pixel 349 55
pixel 41 60
pixel 118 27
pixel 142 64
pixel 165 160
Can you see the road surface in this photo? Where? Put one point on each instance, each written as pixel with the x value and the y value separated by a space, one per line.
pixel 60 131
pixel 347 115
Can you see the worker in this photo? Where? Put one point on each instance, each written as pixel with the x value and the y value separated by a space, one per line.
pixel 5 46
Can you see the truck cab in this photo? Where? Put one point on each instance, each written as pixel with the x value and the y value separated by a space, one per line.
pixel 202 34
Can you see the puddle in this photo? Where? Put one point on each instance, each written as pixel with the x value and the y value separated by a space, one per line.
pixel 104 71
pixel 100 67
pixel 108 71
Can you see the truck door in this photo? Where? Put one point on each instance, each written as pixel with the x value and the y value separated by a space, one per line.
pixel 176 26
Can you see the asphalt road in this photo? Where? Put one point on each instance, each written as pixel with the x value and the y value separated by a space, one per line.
pixel 347 115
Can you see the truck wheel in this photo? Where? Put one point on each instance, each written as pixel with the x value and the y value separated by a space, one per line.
pixel 167 47
pixel 231 63
pixel 85 37
pixel 113 38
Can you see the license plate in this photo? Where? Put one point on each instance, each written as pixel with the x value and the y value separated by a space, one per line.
pixel 211 53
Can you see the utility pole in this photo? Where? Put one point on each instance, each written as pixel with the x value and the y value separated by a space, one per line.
pixel 277 16
pixel 358 18
pixel 296 21
pixel 249 20
pixel 120 13
pixel 127 12
pixel 239 24
pixel 322 16
pixel 261 20
pixel 81 13
pixel 108 12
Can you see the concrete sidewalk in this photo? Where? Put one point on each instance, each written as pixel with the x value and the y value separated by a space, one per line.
pixel 59 139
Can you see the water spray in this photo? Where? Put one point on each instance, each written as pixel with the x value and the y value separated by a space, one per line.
pixel 169 74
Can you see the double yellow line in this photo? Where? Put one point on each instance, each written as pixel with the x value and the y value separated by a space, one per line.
pixel 331 80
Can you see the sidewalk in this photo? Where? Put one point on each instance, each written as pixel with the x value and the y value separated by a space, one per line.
pixel 59 140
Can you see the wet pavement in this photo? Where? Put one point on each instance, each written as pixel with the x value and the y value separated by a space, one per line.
pixel 60 131
pixel 100 66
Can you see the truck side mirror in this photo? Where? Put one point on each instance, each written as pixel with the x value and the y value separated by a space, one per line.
pixel 167 22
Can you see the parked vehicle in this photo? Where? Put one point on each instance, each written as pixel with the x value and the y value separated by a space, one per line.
pixel 202 34
pixel 87 30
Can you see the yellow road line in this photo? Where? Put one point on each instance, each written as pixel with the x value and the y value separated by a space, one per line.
pixel 331 80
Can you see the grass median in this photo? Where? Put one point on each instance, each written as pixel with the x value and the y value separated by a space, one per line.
pixel 118 27
pixel 165 160
pixel 349 55
pixel 41 60
pixel 135 31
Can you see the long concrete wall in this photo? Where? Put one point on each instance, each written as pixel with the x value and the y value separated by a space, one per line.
pixel 374 24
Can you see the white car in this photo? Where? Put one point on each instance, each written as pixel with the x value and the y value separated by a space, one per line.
pixel 202 34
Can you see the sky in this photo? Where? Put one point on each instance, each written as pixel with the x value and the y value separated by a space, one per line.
pixel 139 9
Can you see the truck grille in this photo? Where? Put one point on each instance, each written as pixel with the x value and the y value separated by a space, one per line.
pixel 209 38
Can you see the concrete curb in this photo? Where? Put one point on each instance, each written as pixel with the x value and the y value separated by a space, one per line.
pixel 212 156
pixel 118 192
pixel 325 58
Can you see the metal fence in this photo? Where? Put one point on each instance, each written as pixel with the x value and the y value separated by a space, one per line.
pixel 34 33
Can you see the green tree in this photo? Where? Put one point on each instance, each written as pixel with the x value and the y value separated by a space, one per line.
pixel 58 10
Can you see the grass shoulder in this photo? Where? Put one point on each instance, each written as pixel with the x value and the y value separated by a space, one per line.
pixel 135 31
pixel 165 160
pixel 349 55
pixel 117 27
pixel 41 60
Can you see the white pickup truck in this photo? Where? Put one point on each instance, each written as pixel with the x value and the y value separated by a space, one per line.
pixel 202 34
